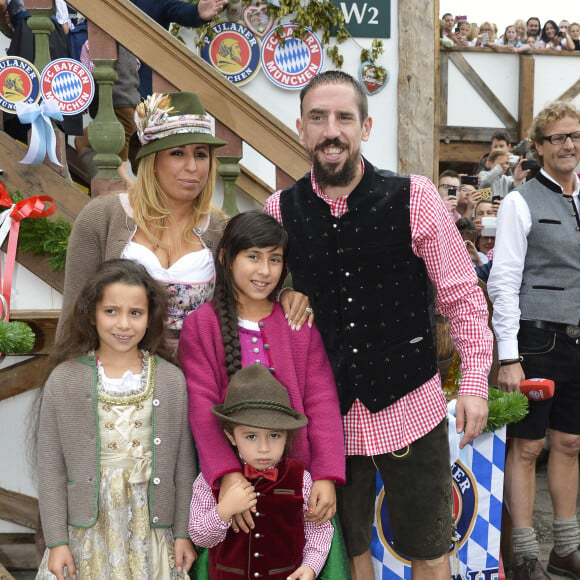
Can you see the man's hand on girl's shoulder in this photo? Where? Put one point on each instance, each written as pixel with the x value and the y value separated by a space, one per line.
pixel 296 307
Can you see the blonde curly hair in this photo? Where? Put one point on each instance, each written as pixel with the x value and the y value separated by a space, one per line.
pixel 549 114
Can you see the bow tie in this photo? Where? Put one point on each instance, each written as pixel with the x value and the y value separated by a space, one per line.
pixel 252 473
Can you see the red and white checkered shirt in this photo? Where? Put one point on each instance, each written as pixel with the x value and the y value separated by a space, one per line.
pixel 207 529
pixel 435 240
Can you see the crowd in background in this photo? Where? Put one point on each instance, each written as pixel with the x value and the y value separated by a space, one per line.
pixel 473 200
pixel 521 36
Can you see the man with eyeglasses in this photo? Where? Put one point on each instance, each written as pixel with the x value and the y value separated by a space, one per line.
pixel 448 188
pixel 458 196
pixel 535 289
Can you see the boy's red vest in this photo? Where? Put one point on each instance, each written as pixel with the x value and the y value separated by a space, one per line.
pixel 274 548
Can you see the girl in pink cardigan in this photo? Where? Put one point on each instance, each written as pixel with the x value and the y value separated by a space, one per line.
pixel 245 325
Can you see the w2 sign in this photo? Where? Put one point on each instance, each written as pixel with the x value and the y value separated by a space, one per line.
pixel 366 18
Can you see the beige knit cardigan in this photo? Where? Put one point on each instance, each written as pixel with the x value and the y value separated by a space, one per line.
pixel 69 448
pixel 101 231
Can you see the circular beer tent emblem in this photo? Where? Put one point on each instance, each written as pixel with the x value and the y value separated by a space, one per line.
pixel 19 83
pixel 291 64
pixel 234 50
pixel 465 509
pixel 69 83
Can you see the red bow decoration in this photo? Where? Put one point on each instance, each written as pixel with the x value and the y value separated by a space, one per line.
pixel 32 207
pixel 252 473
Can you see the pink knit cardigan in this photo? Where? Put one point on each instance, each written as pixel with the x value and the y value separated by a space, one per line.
pixel 300 364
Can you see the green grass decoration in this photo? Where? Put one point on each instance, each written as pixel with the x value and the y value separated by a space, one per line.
pixel 44 237
pixel 15 337
pixel 505 408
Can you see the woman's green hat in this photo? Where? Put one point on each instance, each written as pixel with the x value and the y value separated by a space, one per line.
pixel 256 399
pixel 166 120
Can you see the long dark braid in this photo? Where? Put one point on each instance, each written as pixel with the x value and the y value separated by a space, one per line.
pixel 228 315
pixel 251 229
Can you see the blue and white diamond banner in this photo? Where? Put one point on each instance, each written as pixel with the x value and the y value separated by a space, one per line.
pixel 477 474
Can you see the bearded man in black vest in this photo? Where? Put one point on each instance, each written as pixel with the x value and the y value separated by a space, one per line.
pixel 535 288
pixel 366 245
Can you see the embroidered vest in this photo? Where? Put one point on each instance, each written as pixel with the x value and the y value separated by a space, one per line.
pixel 275 547
pixel 370 293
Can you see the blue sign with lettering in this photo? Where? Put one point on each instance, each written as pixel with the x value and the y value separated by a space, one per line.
pixel 366 18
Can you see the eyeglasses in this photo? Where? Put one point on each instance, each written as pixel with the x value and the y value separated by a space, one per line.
pixel 447 186
pixel 560 138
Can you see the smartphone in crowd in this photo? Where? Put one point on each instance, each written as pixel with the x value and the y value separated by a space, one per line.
pixel 530 164
pixel 489 226
pixel 452 192
pixel 469 180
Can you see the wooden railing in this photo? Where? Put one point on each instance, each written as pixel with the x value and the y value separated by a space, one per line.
pixel 15 379
pixel 245 120
pixel 467 142
pixel 24 376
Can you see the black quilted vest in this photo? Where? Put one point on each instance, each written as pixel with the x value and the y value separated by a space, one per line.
pixel 371 295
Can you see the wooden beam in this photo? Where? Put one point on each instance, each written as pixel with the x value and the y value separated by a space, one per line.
pixel 443 86
pixel 22 377
pixel 43 324
pixel 4 574
pixel 461 151
pixel 101 43
pixel 526 101
pixel 234 147
pixel 39 266
pixel 283 180
pixel 44 4
pixel 482 89
pixel 415 88
pixel 161 84
pixel 38 179
pixel 571 93
pixel 252 186
pixel 16 539
pixel 18 508
pixel 483 134
pixel 437 94
pixel 188 72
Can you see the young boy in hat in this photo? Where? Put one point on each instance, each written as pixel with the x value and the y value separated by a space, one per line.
pixel 259 421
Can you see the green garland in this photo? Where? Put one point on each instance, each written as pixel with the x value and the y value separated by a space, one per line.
pixel 44 237
pixel 319 15
pixel 41 237
pixel 504 408
pixel 16 337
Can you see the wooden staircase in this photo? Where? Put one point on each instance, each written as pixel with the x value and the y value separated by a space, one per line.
pixel 238 120
pixel 236 114
pixel 39 179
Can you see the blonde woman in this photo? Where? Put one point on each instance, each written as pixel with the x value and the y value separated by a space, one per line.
pixel 165 221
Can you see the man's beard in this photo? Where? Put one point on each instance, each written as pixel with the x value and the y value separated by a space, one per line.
pixel 329 175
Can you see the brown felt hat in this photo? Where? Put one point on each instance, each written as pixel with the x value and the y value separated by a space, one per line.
pixel 256 399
